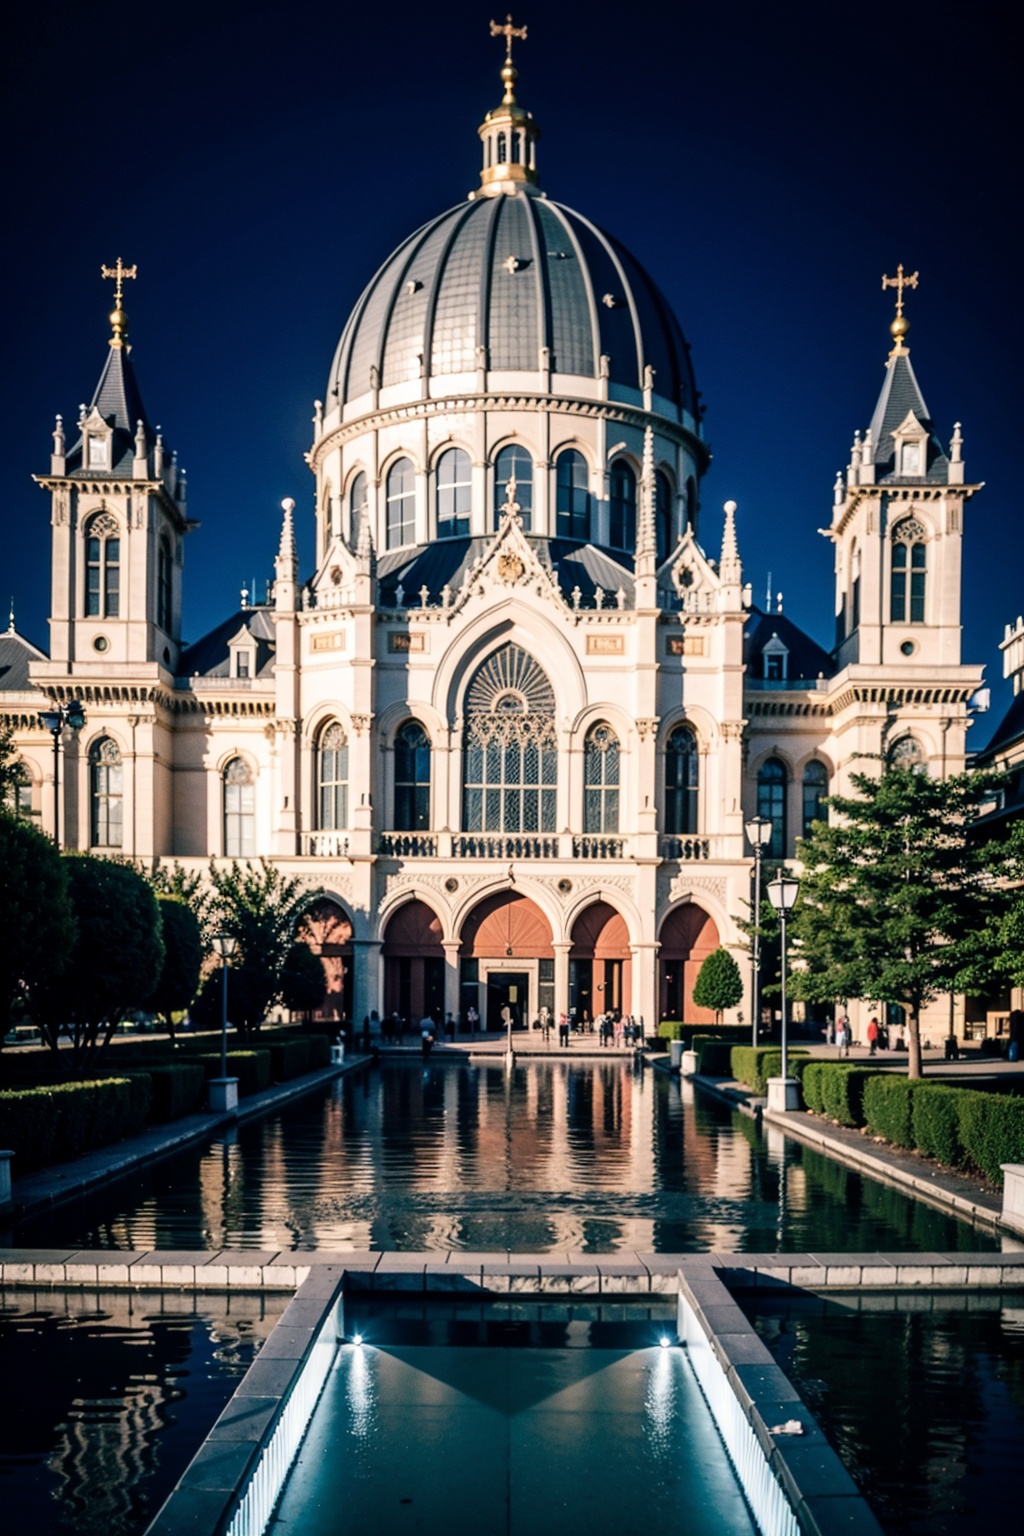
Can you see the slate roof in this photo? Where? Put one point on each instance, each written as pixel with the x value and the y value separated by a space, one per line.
pixel 15 655
pixel 806 662
pixel 210 657
pixel 118 400
pixel 448 561
pixel 902 393
pixel 1009 730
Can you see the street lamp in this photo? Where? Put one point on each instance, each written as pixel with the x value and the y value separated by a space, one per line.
pixel 54 720
pixel 224 1090
pixel 759 835
pixel 782 893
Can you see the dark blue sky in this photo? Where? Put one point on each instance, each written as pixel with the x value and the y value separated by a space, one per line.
pixel 766 164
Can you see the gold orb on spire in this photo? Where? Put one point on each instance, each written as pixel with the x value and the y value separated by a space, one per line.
pixel 118 318
pixel 901 325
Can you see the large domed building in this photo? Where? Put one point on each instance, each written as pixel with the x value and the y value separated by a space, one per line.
pixel 512 725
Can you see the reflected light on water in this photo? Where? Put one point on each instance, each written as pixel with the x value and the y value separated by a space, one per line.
pixel 357 1360
pixel 660 1406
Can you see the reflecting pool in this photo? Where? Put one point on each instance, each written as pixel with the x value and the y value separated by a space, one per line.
pixel 556 1156
pixel 932 1434
pixel 123 1389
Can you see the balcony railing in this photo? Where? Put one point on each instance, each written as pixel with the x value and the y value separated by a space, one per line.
pixel 407 845
pixel 685 849
pixel 486 845
pixel 325 845
pixel 596 846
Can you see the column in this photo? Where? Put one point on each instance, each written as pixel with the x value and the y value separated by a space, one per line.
pixel 365 979
pixel 451 977
pixel 644 1001
pixel 562 951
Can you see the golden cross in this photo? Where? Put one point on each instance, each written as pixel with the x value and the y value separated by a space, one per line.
pixel 899 282
pixel 508 31
pixel 119 273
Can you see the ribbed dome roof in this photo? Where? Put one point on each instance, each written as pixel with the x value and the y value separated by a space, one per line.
pixel 511 274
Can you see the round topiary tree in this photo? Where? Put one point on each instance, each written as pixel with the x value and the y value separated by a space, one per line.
pixel 719 984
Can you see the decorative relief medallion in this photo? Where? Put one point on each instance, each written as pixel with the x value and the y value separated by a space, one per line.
pixel 510 568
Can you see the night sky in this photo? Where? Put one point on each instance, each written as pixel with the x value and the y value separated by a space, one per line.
pixel 765 163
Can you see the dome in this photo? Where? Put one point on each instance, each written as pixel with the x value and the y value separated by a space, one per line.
pixel 495 281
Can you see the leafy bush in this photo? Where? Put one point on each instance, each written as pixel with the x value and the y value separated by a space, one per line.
pixel 887 1108
pixel 48 1125
pixel 754 1066
pixel 252 1068
pixel 289 1058
pixel 991 1130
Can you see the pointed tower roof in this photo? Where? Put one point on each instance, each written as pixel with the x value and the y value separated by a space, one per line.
pixel 116 398
pixel 901 396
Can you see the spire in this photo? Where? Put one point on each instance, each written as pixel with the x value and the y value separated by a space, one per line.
pixel 118 318
pixel 288 554
pixel 729 567
pixel 899 398
pixel 509 134
pixel 646 536
pixel 901 325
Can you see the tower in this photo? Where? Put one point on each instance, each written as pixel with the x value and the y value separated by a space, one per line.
pixel 118 510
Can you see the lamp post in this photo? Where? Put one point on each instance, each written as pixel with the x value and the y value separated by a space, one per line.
pixel 782 1091
pixel 759 835
pixel 224 1090
pixel 54 720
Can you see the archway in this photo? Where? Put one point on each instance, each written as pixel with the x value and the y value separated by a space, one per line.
pixel 328 933
pixel 688 935
pixel 506 961
pixel 414 964
pixel 600 968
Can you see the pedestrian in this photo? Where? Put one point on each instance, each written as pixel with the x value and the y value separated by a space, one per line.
pixel 843 1036
pixel 830 1032
pixel 472 1019
pixel 563 1029
pixel 449 1025
pixel 872 1037
pixel 426 1035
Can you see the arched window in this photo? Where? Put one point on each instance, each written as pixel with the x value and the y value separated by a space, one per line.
pixel 906 753
pixel 572 496
pixel 332 778
pixel 502 149
pixel 239 810
pixel 357 504
pixel 412 778
pixel 815 790
pixel 516 148
pixel 514 463
pixel 401 504
pixel 106 789
pixel 103 567
pixel 164 586
pixel 681 782
pixel 909 569
pixel 771 804
pixel 622 506
pixel 510 749
pixel 663 514
pixel 454 494
pixel 601 780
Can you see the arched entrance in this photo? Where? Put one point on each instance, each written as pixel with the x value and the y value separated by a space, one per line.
pixel 328 933
pixel 414 964
pixel 688 935
pixel 600 969
pixel 506 960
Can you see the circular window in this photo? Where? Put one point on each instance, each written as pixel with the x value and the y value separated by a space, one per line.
pixel 565 886
pixel 451 884
pixel 101 643
pixel 908 648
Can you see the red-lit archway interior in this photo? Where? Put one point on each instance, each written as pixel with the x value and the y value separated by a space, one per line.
pixel 600 968
pixel 414 964
pixel 510 929
pixel 688 935
pixel 328 933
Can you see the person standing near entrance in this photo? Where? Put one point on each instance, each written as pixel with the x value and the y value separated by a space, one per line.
pixel 472 1019
pixel 563 1029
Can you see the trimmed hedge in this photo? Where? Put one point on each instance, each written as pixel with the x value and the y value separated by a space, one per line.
pixel 178 1089
pixel 672 1029
pixel 252 1068
pixel 49 1125
pixel 289 1058
pixel 713 1056
pixel 319 1051
pixel 887 1108
pixel 754 1066
pixel 992 1131
pixel 843 1090
pixel 935 1122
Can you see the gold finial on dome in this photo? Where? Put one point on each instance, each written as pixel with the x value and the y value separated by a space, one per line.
pixel 901 325
pixel 118 318
pixel 509 133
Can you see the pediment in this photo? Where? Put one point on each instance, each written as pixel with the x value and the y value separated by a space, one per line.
pixel 338 568
pixel 910 427
pixel 509 563
pixel 688 571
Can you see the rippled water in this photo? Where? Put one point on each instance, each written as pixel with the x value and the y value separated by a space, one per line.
pixel 123 1390
pixel 933 1433
pixel 559 1156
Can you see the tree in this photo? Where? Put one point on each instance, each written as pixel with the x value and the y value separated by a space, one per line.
pixel 35 913
pixel 719 984
pixel 303 980
pixel 113 964
pixel 12 770
pixel 262 909
pixel 898 894
pixel 183 956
